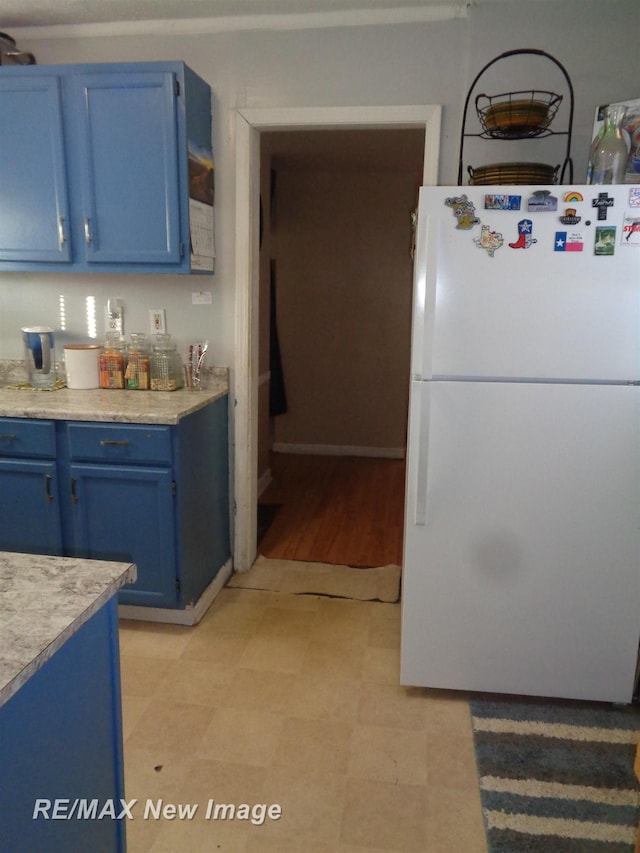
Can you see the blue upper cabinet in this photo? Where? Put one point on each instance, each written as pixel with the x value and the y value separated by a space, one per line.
pixel 129 146
pixel 130 192
pixel 34 211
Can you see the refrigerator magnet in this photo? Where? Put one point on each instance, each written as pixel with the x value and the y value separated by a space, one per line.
pixel 525 240
pixel 602 203
pixel 499 201
pixel 489 240
pixel 630 231
pixel 573 197
pixel 464 212
pixel 542 202
pixel 568 241
pixel 570 217
pixel 605 243
pixel 634 197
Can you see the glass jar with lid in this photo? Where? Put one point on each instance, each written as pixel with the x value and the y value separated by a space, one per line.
pixel 138 363
pixel 167 373
pixel 112 361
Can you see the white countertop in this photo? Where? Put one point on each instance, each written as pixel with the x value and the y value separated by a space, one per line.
pixel 43 602
pixel 147 407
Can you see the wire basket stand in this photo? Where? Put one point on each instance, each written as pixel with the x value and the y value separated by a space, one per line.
pixel 523 114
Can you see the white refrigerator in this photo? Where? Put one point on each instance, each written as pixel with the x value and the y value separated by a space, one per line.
pixel 522 530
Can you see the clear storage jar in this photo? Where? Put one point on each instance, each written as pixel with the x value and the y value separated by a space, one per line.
pixel 167 373
pixel 137 373
pixel 112 361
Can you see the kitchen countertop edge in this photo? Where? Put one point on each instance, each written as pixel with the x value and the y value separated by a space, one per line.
pixel 115 406
pixel 28 582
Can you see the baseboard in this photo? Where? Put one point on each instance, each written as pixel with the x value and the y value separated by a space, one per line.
pixel 191 614
pixel 264 481
pixel 339 450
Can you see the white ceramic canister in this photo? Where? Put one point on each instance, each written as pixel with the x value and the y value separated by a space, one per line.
pixel 82 365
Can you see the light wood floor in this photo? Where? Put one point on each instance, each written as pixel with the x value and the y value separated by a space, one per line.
pixel 343 510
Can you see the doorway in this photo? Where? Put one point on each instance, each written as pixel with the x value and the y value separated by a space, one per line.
pixel 249 125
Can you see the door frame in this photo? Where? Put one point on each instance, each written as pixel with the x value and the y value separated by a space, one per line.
pixel 249 123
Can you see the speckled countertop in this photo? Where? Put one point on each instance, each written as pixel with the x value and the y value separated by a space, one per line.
pixel 146 407
pixel 43 602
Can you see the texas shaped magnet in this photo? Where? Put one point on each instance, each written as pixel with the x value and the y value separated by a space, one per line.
pixel 489 240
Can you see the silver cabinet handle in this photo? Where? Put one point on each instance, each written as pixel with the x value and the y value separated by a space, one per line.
pixel 105 442
pixel 8 436
pixel 61 237
pixel 47 487
pixel 87 231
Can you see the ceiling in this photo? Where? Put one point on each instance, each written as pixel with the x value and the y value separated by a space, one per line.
pixel 39 13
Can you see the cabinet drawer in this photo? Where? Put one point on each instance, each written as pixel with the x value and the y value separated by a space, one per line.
pixel 25 437
pixel 98 442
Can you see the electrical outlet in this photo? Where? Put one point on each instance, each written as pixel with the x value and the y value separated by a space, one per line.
pixel 157 321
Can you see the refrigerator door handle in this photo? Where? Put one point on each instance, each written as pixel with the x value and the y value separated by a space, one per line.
pixel 426 266
pixel 422 467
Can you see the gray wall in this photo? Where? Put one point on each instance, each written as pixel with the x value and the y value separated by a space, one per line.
pixel 344 276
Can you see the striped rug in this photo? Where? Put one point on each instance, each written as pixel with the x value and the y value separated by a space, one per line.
pixel 557 777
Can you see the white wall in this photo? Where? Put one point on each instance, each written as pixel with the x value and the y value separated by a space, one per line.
pixel 401 64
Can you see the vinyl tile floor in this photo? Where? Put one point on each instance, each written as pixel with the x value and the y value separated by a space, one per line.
pixel 291 702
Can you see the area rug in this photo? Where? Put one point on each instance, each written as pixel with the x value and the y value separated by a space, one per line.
pixel 377 584
pixel 557 777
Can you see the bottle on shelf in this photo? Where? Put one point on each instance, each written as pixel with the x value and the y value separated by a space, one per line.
pixel 608 158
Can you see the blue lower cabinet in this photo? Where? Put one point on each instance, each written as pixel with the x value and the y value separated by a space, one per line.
pixel 30 510
pixel 149 494
pixel 126 514
pixel 156 496
pixel 61 748
pixel 30 507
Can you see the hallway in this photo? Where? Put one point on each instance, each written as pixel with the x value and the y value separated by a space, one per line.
pixel 343 510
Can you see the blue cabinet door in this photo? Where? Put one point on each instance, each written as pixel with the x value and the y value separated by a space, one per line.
pixel 126 513
pixel 61 737
pixel 34 215
pixel 129 176
pixel 29 507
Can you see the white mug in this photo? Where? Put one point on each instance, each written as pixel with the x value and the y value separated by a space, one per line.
pixel 82 365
